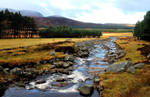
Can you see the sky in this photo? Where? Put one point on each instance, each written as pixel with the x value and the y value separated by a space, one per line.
pixel 95 11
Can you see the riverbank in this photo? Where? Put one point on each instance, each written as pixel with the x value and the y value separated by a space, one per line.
pixel 18 66
pixel 133 82
pixel 61 73
pixel 123 66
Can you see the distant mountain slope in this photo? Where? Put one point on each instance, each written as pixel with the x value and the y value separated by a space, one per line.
pixel 58 20
pixel 25 12
pixel 55 21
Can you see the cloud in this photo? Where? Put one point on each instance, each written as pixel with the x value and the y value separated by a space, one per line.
pixel 133 5
pixel 107 13
pixel 98 11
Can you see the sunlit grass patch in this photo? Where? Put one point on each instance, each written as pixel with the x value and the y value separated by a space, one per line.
pixel 131 47
pixel 117 34
pixel 15 43
pixel 126 84
pixel 117 85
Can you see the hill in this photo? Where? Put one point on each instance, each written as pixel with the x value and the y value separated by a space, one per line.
pixel 58 20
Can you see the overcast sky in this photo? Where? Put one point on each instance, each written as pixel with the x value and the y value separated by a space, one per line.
pixel 96 11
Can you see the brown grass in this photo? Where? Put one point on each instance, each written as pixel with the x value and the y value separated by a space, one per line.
pixel 15 43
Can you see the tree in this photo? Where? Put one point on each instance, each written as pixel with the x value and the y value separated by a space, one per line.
pixel 142 29
pixel 12 25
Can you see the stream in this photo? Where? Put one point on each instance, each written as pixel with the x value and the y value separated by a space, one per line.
pixel 63 85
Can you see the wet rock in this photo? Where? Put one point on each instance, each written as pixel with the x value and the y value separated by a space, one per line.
pixel 69 69
pixel 86 90
pixel 83 48
pixel 59 64
pixel 69 58
pixel 42 88
pixel 131 69
pixel 66 65
pixel 52 53
pixel 59 84
pixel 16 71
pixel 61 79
pixel 20 85
pixel 148 56
pixel 52 66
pixel 82 54
pixel 139 65
pixel 64 71
pixel 96 80
pixel 121 67
pixel 1 68
pixel 6 70
pixel 45 62
pixel 121 53
pixel 27 73
pixel 40 82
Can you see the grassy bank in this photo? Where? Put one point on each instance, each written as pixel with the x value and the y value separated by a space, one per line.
pixel 126 84
pixel 14 43
pixel 24 53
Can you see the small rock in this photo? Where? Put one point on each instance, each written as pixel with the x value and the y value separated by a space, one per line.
pixel 66 65
pixel 148 56
pixel 61 79
pixel 59 64
pixel 59 84
pixel 38 63
pixel 40 82
pixel 52 53
pixel 139 65
pixel 131 69
pixel 43 88
pixel 6 70
pixel 52 66
pixel 20 85
pixel 16 71
pixel 1 68
pixel 69 58
pixel 96 80
pixel 86 90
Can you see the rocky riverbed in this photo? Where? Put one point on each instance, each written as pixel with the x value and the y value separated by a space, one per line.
pixel 75 75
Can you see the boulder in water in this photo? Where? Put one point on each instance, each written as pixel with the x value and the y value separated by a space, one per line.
pixel 86 90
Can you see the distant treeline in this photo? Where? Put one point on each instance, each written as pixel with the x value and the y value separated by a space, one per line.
pixel 142 28
pixel 67 32
pixel 107 30
pixel 104 26
pixel 14 25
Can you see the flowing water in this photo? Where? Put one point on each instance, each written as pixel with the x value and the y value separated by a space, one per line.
pixel 63 85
